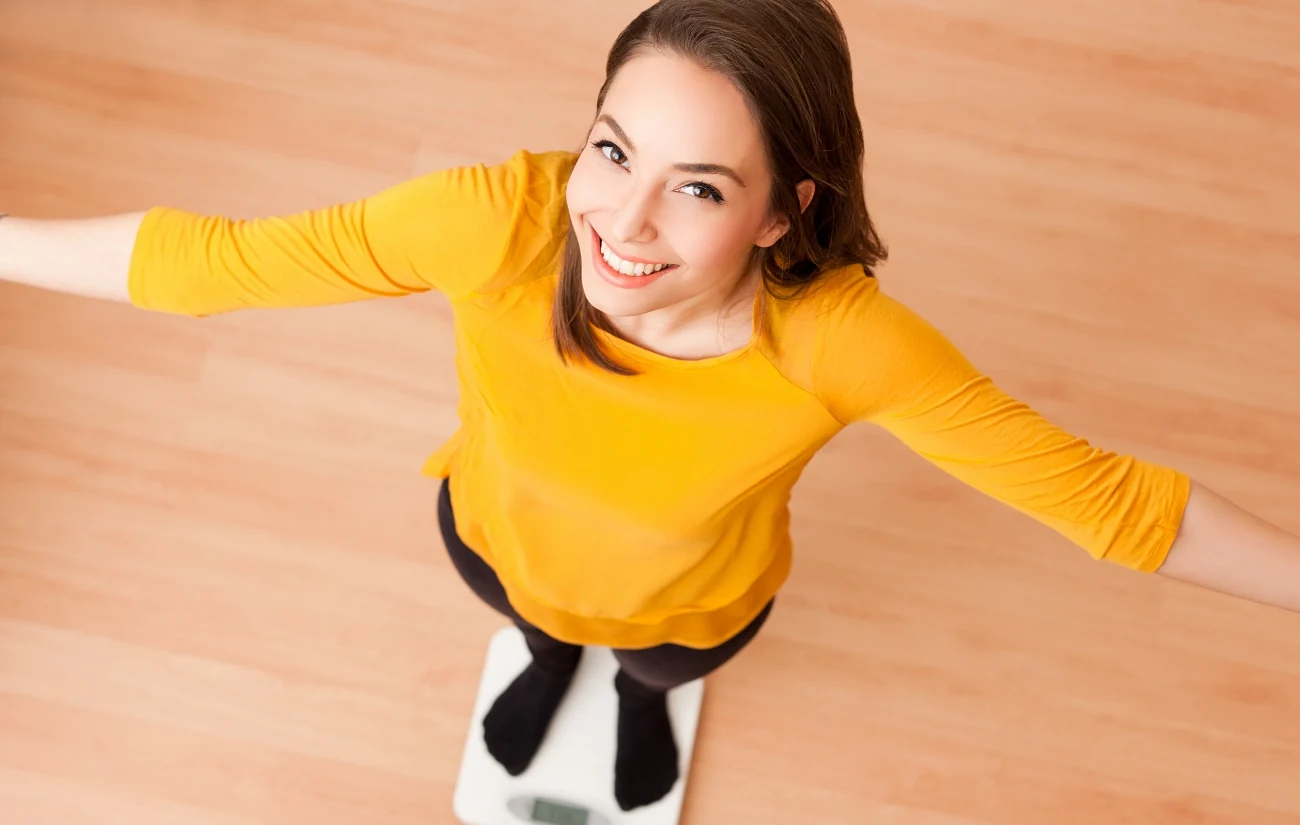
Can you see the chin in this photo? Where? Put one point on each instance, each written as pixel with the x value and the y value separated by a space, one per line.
pixel 612 301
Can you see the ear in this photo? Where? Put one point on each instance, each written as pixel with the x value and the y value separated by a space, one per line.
pixel 779 225
pixel 806 189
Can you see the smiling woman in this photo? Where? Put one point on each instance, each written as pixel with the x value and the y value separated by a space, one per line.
pixel 702 268
pixel 638 200
pixel 716 196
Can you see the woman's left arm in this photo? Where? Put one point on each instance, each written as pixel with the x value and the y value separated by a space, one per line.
pixel 879 362
pixel 1222 547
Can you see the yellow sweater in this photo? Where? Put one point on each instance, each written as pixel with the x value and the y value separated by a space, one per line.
pixel 635 511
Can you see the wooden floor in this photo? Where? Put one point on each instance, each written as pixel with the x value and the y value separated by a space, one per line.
pixel 222 596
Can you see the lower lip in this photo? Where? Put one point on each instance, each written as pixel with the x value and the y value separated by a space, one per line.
pixel 616 278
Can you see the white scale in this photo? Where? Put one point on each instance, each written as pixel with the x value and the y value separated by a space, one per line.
pixel 571 780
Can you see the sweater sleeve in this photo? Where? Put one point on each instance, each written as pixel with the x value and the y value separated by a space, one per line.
pixel 877 361
pixel 448 231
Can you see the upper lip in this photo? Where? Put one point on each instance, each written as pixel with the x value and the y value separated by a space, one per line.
pixel 629 258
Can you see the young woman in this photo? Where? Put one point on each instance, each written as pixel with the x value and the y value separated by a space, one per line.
pixel 655 334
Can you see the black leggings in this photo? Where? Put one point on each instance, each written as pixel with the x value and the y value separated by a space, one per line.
pixel 657 668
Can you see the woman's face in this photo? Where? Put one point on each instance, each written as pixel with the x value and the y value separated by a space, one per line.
pixel 673 173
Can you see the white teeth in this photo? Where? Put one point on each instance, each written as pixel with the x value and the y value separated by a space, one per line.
pixel 625 267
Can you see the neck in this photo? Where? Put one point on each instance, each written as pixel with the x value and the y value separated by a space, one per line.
pixel 709 324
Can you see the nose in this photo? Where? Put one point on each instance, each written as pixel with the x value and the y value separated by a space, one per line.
pixel 634 219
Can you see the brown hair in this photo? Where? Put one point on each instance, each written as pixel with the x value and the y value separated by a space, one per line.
pixel 790 61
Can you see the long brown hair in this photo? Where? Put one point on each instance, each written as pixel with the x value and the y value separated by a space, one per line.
pixel 790 61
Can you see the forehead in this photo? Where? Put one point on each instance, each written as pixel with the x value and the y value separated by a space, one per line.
pixel 677 112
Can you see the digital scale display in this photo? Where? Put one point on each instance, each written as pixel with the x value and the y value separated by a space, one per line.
pixel 552 811
pixel 554 814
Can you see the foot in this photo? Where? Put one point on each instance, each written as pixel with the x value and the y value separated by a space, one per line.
pixel 518 720
pixel 645 768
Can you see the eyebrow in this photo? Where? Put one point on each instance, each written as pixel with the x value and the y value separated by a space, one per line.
pixel 693 168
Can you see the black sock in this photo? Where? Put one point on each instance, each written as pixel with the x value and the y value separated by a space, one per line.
pixel 518 720
pixel 645 769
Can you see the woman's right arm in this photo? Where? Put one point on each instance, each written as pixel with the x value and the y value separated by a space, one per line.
pixel 88 256
pixel 449 231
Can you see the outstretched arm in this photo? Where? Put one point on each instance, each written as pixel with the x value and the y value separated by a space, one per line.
pixel 448 230
pixel 88 256
pixel 1222 547
pixel 880 362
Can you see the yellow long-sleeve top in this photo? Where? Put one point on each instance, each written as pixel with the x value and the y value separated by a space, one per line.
pixel 635 511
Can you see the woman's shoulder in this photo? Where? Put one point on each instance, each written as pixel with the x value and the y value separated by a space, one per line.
pixel 846 330
pixel 835 296
pixel 483 226
pixel 534 181
pixel 539 220
pixel 847 303
pixel 523 176
pixel 794 325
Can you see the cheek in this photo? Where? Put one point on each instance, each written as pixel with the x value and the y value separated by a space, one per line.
pixel 713 246
pixel 583 191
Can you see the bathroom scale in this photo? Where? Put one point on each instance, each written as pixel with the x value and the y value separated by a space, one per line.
pixel 571 780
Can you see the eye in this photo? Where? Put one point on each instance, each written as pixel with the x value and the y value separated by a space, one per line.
pixel 611 152
pixel 615 155
pixel 708 192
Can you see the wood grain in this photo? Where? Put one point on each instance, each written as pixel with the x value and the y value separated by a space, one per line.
pixel 222 595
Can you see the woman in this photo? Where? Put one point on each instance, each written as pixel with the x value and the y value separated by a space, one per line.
pixel 655 334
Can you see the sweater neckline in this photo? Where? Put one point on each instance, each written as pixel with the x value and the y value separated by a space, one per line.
pixel 649 356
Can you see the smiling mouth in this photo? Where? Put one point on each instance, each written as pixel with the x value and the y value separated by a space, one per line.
pixel 628 268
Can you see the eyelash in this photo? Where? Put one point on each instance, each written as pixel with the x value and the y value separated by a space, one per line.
pixel 713 193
